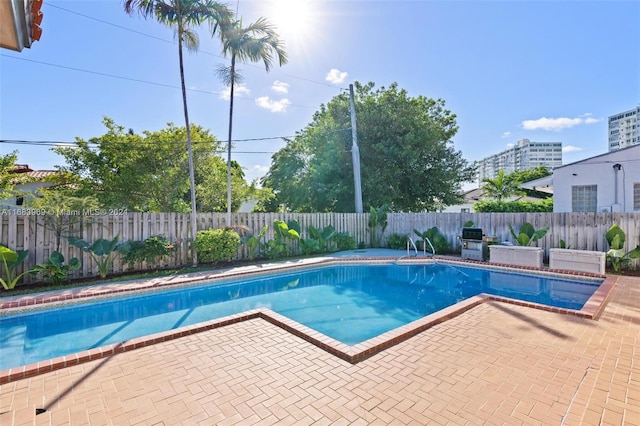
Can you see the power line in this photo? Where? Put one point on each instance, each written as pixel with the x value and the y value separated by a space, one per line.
pixel 209 92
pixel 174 43
pixel 151 142
pixel 147 142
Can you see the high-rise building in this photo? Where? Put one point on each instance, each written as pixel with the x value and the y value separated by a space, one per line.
pixel 624 129
pixel 524 155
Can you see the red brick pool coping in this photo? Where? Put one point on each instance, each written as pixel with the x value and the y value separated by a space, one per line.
pixel 353 354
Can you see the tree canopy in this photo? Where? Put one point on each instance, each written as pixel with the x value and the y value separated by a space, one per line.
pixel 407 156
pixel 147 172
pixel 506 185
pixel 7 179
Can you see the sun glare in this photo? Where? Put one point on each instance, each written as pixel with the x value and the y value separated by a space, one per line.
pixel 291 17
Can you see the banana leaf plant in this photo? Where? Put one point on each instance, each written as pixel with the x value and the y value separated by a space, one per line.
pixel 11 260
pixel 323 236
pixel 54 269
pixel 616 255
pixel 254 242
pixel 377 224
pixel 102 251
pixel 527 234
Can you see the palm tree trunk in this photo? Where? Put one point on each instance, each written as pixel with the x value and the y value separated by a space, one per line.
pixel 233 75
pixel 192 183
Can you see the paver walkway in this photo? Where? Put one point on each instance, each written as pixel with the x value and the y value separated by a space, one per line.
pixel 495 364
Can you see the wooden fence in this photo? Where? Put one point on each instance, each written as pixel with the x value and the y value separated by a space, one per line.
pixel 23 230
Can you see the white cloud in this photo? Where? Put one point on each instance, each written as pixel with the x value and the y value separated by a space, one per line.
pixel 571 148
pixel 506 134
pixel 335 76
pixel 280 86
pixel 273 105
pixel 240 90
pixel 557 124
pixel 510 145
pixel 260 169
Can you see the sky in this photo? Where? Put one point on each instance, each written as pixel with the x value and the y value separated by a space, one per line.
pixel 541 70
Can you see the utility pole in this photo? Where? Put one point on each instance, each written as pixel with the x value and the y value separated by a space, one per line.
pixel 355 153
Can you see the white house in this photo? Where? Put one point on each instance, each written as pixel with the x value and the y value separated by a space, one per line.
pixel 35 181
pixel 605 183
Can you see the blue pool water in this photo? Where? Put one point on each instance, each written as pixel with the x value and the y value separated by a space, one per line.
pixel 350 303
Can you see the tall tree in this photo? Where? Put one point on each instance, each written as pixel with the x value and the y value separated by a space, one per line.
pixel 145 172
pixel 501 187
pixel 183 16
pixel 254 43
pixel 407 156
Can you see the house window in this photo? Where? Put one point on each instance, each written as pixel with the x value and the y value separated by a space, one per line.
pixel 584 198
pixel 19 201
pixel 636 196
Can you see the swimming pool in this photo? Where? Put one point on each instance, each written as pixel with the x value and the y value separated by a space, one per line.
pixel 350 303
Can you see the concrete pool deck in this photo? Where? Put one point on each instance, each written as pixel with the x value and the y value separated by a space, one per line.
pixel 495 363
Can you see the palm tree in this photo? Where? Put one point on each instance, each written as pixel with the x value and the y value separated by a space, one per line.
pixel 256 42
pixel 501 187
pixel 184 15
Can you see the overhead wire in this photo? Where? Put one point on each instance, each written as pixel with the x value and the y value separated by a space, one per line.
pixel 174 43
pixel 209 92
pixel 132 144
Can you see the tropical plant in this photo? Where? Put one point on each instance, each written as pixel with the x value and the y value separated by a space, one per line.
pixel 527 234
pixel 11 260
pixel 103 251
pixel 151 250
pixel 183 16
pixel 397 241
pixel 254 43
pixel 616 255
pixel 344 241
pixel 309 246
pixel 323 236
pixel 214 245
pixel 284 234
pixel 377 224
pixel 438 241
pixel 54 270
pixel 500 187
pixel 254 242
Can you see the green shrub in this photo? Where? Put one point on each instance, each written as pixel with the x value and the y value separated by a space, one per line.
pixel 438 240
pixel 151 250
pixel 489 206
pixel 397 241
pixel 344 241
pixel 214 245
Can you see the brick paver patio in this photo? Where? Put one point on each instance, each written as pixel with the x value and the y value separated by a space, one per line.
pixel 497 363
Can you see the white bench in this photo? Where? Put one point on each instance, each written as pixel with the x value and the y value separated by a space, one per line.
pixel 578 260
pixel 516 255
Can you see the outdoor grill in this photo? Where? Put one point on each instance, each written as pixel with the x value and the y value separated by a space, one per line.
pixel 474 245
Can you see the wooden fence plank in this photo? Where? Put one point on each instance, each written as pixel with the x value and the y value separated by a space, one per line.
pixel 580 231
